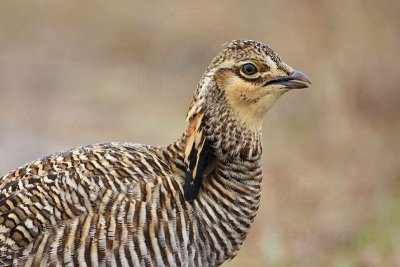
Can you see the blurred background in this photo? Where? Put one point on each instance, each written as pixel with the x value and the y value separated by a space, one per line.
pixel 82 72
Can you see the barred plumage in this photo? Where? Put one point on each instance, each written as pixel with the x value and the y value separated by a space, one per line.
pixel 190 203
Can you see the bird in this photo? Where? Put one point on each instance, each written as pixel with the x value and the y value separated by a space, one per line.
pixel 189 203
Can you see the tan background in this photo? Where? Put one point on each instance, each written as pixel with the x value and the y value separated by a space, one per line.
pixel 82 72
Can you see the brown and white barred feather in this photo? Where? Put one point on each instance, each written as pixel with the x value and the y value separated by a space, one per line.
pixel 122 205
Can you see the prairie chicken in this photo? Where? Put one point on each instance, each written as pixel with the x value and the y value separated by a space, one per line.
pixel 190 203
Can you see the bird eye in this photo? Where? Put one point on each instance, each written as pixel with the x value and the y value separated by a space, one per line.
pixel 249 69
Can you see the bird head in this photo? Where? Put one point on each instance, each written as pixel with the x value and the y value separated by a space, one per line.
pixel 243 82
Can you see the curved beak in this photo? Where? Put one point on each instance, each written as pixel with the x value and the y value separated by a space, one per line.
pixel 296 80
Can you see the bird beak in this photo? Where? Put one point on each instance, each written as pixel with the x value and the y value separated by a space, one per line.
pixel 296 80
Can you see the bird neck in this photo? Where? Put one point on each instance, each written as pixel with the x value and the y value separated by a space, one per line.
pixel 231 140
pixel 218 131
pixel 229 190
pixel 228 198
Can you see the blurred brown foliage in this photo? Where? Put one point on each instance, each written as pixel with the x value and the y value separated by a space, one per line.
pixel 82 72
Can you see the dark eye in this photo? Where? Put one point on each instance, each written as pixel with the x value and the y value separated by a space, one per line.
pixel 249 69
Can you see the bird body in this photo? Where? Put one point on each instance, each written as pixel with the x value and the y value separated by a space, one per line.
pixel 190 203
